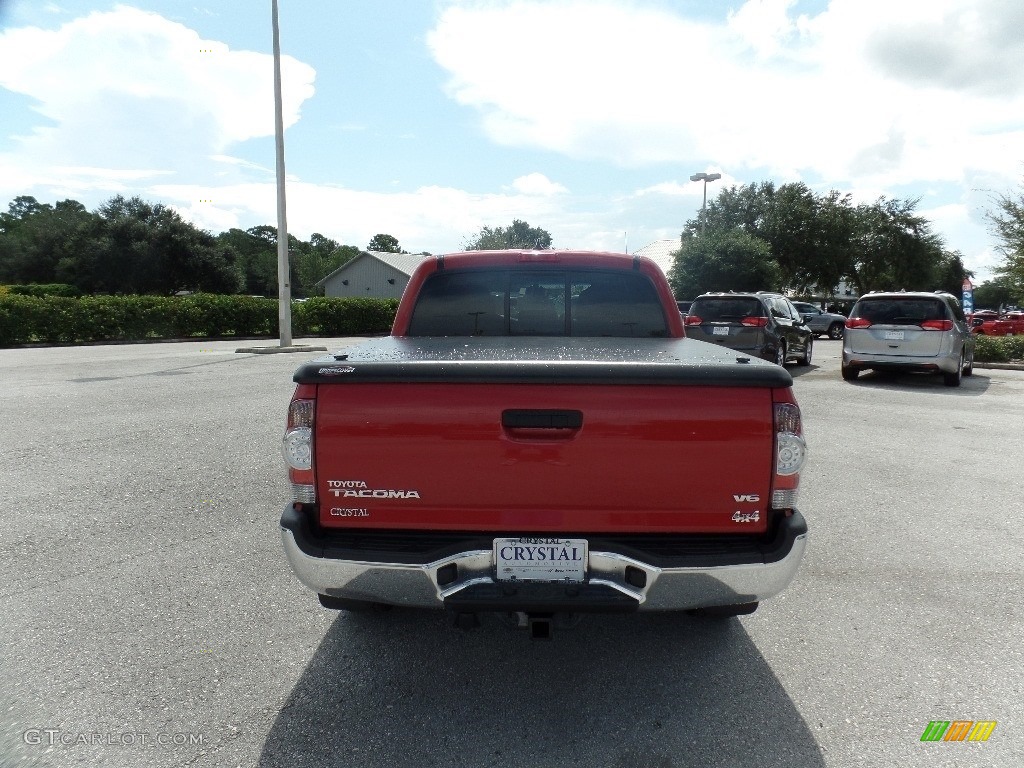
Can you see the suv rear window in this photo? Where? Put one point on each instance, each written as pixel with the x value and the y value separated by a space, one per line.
pixel 726 309
pixel 538 303
pixel 900 311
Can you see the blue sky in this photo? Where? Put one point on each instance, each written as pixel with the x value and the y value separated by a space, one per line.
pixel 428 120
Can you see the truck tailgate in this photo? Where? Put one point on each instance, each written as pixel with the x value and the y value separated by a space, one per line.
pixel 525 457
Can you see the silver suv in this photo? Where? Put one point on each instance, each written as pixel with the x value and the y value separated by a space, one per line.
pixel 908 332
pixel 820 322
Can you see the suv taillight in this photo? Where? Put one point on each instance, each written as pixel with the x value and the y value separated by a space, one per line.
pixel 937 325
pixel 297 445
pixel 692 320
pixel 858 322
pixel 790 454
pixel 755 322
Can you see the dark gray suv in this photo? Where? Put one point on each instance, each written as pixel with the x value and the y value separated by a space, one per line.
pixel 764 325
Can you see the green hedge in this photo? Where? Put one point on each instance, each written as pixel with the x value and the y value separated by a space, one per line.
pixel 62 320
pixel 41 289
pixel 999 349
pixel 323 316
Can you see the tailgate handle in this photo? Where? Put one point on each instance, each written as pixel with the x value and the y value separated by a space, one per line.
pixel 541 419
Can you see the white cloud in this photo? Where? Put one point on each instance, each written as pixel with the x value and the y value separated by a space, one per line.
pixel 537 184
pixel 827 97
pixel 129 89
pixel 687 188
pixel 430 218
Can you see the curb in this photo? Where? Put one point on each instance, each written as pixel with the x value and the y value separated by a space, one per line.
pixel 1001 366
pixel 280 350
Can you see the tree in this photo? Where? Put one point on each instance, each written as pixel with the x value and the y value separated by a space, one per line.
pixel 141 247
pixel 315 260
pixel 1008 227
pixel 320 259
pixel 518 235
pixel 893 248
pixel 384 244
pixel 949 273
pixel 724 261
pixel 36 237
pixel 819 240
pixel 255 258
pixel 995 293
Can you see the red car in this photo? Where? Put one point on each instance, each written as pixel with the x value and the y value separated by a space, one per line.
pixel 989 323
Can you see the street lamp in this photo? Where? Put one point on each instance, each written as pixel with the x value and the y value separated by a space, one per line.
pixel 705 177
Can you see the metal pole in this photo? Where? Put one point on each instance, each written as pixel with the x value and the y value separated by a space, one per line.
pixel 705 177
pixel 704 208
pixel 284 288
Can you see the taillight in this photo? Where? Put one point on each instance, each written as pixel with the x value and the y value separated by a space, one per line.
pixel 858 322
pixel 755 322
pixel 692 320
pixel 937 325
pixel 790 454
pixel 297 445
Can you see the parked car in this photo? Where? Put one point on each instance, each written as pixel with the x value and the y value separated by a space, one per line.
pixel 764 325
pixel 994 324
pixel 820 322
pixel 981 315
pixel 910 332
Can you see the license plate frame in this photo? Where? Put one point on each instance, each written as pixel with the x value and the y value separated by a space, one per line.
pixel 894 335
pixel 540 558
pixel 720 330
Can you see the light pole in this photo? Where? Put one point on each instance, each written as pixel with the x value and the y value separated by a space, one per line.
pixel 284 288
pixel 705 177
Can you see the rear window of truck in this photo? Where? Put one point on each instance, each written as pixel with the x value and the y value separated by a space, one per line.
pixel 538 303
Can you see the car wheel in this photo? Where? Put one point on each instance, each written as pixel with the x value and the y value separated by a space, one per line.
pixel 969 370
pixel 780 354
pixel 850 373
pixel 835 331
pixel 806 359
pixel 953 379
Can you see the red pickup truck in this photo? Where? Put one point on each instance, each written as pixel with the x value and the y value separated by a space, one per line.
pixel 538 438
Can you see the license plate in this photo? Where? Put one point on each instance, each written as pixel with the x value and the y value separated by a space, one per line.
pixel 540 559
pixel 720 330
pixel 898 335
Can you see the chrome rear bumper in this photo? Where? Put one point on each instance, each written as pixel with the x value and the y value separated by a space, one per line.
pixel 615 582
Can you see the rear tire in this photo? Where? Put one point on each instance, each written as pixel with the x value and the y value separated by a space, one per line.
pixel 835 331
pixel 806 359
pixel 850 373
pixel 954 379
pixel 780 354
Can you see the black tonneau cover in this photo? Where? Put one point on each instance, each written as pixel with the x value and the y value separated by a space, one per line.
pixel 538 360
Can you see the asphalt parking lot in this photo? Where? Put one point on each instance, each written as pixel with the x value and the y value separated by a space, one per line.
pixel 149 618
